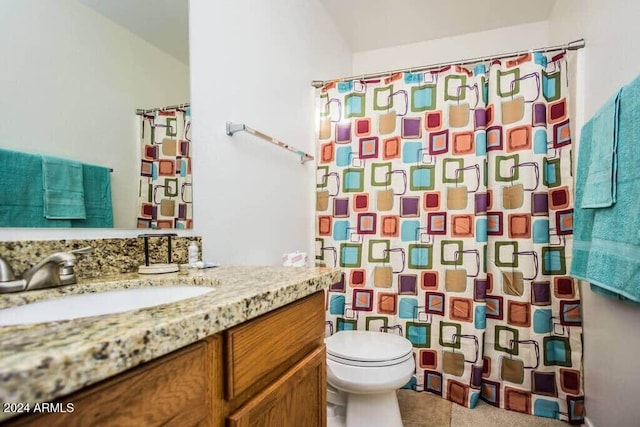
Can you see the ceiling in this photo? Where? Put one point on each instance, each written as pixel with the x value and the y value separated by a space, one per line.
pixel 376 24
pixel 364 24
pixel 163 23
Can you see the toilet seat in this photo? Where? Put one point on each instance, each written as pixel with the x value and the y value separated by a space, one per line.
pixel 368 349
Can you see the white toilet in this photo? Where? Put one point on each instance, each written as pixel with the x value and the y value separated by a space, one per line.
pixel 364 370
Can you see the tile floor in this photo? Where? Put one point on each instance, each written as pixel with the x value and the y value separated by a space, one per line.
pixel 429 410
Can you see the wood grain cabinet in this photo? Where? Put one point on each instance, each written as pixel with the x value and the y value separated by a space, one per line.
pixel 269 371
pixel 295 399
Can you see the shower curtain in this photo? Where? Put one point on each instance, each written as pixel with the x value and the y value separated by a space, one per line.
pixel 446 199
pixel 164 194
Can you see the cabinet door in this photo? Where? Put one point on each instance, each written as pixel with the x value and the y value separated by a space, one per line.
pixel 296 399
pixel 169 391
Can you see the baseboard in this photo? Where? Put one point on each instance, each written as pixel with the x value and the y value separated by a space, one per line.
pixel 587 422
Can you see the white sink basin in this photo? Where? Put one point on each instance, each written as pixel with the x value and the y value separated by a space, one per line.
pixel 98 303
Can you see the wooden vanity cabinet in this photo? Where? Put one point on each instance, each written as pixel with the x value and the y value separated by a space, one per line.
pixel 269 371
pixel 168 391
pixel 273 369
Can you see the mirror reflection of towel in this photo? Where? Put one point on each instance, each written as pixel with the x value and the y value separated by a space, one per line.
pixel 21 201
pixel 63 189
pixel 97 198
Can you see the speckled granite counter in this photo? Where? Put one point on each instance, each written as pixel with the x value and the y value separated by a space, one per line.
pixel 41 362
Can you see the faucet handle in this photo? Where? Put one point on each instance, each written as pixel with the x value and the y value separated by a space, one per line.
pixel 82 251
pixel 66 273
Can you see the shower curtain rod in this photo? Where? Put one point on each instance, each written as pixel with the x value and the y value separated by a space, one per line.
pixel 573 45
pixel 140 111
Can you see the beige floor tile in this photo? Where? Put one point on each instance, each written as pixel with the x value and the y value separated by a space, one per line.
pixel 485 415
pixel 429 410
pixel 412 424
pixel 423 409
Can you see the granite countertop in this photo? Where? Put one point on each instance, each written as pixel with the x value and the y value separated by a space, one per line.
pixel 44 361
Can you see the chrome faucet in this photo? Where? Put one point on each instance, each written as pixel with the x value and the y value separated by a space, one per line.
pixel 55 270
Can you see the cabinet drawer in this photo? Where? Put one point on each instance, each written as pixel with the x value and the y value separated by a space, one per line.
pixel 262 349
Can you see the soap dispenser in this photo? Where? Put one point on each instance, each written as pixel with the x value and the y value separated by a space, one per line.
pixel 194 255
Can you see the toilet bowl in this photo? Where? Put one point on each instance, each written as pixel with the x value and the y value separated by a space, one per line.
pixel 364 370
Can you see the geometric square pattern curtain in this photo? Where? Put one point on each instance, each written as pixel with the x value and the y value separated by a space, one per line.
pixel 446 198
pixel 165 192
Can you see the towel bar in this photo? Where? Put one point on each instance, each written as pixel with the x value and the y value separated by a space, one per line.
pixel 238 127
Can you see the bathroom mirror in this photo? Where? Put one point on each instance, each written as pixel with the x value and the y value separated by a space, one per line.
pixel 74 73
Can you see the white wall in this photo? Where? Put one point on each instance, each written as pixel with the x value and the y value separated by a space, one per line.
pixel 252 62
pixel 71 81
pixel 611 346
pixel 472 45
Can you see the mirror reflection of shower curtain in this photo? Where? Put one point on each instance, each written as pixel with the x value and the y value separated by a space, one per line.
pixel 439 195
pixel 165 187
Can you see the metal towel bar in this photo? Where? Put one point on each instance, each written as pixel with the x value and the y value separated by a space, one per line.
pixel 238 127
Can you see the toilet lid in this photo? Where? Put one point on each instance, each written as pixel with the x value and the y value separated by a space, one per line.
pixel 366 348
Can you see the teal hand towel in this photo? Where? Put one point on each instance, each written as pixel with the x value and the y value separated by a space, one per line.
pixel 97 198
pixel 21 203
pixel 600 186
pixel 63 189
pixel 611 235
pixel 582 218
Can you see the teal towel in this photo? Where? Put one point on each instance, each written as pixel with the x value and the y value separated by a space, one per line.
pixel 21 203
pixel 582 218
pixel 609 237
pixel 63 187
pixel 600 186
pixel 97 198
